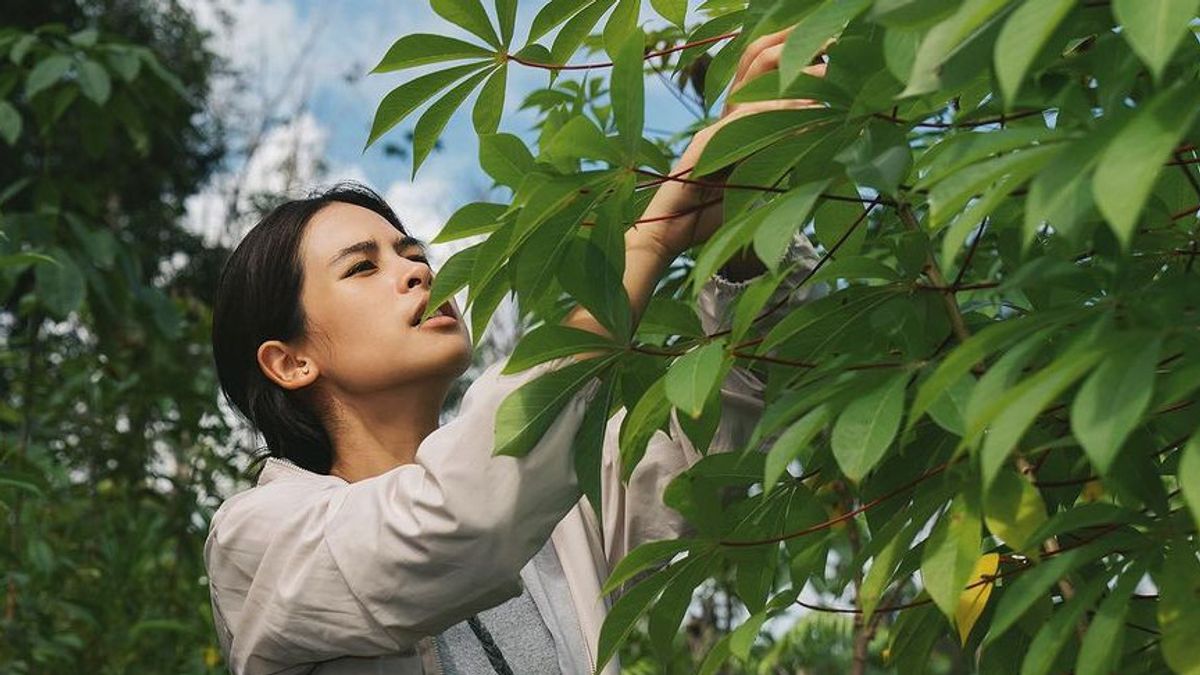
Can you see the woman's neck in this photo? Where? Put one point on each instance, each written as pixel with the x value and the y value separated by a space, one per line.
pixel 379 432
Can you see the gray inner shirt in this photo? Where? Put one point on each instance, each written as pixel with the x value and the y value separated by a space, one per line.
pixel 537 631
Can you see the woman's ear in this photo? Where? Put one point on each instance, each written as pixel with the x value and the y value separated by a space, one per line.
pixel 284 367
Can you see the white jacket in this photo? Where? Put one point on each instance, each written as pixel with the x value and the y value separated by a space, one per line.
pixel 305 569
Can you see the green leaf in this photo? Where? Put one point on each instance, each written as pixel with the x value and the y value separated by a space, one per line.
pixel 1154 28
pixel 884 563
pixel 948 197
pixel 470 220
pixel 60 287
pixel 950 409
pixel 1101 646
pixel 628 91
pixel 1113 398
pixel 576 30
pixel 1010 415
pixel 1054 634
pixel 552 341
pixel 959 362
pixel 1013 510
pixel 506 13
pixel 94 81
pixel 419 49
pixel 625 612
pixel 665 618
pixel 867 426
pixel 674 11
pixel 580 138
pixel 404 99
pixel 433 121
pixel 742 638
pixel 469 15
pixel 505 158
pixel 789 213
pixel 588 445
pixel 1022 37
pixel 950 554
pixel 553 14
pixel 1033 585
pixel 826 21
pixel 620 25
pixel 668 316
pixel 1133 160
pixel 879 159
pixel 526 414
pixel 1178 611
pixel 792 442
pixel 641 559
pixel 744 136
pixel 692 376
pixel 943 39
pixel 1189 476
pixel 489 106
pixel 823 324
pixel 588 276
pixel 649 414
pixel 1061 194
pixel 453 275
pixel 47 72
pixel 10 123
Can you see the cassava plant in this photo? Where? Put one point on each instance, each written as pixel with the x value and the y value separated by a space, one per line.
pixel 985 432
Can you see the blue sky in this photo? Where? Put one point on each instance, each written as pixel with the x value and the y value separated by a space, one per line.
pixel 335 45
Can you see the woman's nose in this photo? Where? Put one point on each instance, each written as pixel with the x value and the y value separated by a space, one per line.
pixel 416 274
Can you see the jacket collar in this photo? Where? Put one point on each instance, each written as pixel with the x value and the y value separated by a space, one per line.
pixel 278 468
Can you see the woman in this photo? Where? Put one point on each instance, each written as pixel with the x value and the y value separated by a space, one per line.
pixel 376 541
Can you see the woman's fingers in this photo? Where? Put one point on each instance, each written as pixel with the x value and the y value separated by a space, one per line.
pixel 757 47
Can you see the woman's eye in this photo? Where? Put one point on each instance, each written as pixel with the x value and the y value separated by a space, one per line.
pixel 420 259
pixel 359 267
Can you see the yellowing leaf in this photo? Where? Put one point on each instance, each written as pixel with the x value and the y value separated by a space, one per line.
pixel 975 597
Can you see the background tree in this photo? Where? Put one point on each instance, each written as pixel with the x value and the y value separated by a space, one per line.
pixel 109 428
pixel 982 443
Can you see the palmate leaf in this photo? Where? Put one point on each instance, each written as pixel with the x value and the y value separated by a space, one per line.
pixel 866 428
pixel 433 121
pixel 1113 398
pixel 489 106
pixel 1054 634
pixel 452 277
pixel 826 21
pixel 950 553
pixel 553 14
pixel 692 377
pixel 1133 160
pixel 420 49
pixel 469 15
pixel 943 39
pixel 551 341
pixel 527 413
pixel 1154 28
pixel 402 100
pixel 628 91
pixel 1101 646
pixel 470 220
pixel 1024 34
pixel 746 135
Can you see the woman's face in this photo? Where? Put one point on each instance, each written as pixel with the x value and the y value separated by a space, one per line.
pixel 363 289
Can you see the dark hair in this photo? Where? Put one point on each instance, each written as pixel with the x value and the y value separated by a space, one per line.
pixel 258 299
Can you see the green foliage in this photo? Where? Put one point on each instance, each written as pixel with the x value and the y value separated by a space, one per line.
pixel 1004 194
pixel 110 434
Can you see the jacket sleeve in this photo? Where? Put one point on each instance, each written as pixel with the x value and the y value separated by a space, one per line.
pixel 304 571
pixel 633 513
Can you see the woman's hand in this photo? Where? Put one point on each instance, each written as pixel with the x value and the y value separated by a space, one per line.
pixel 698 205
